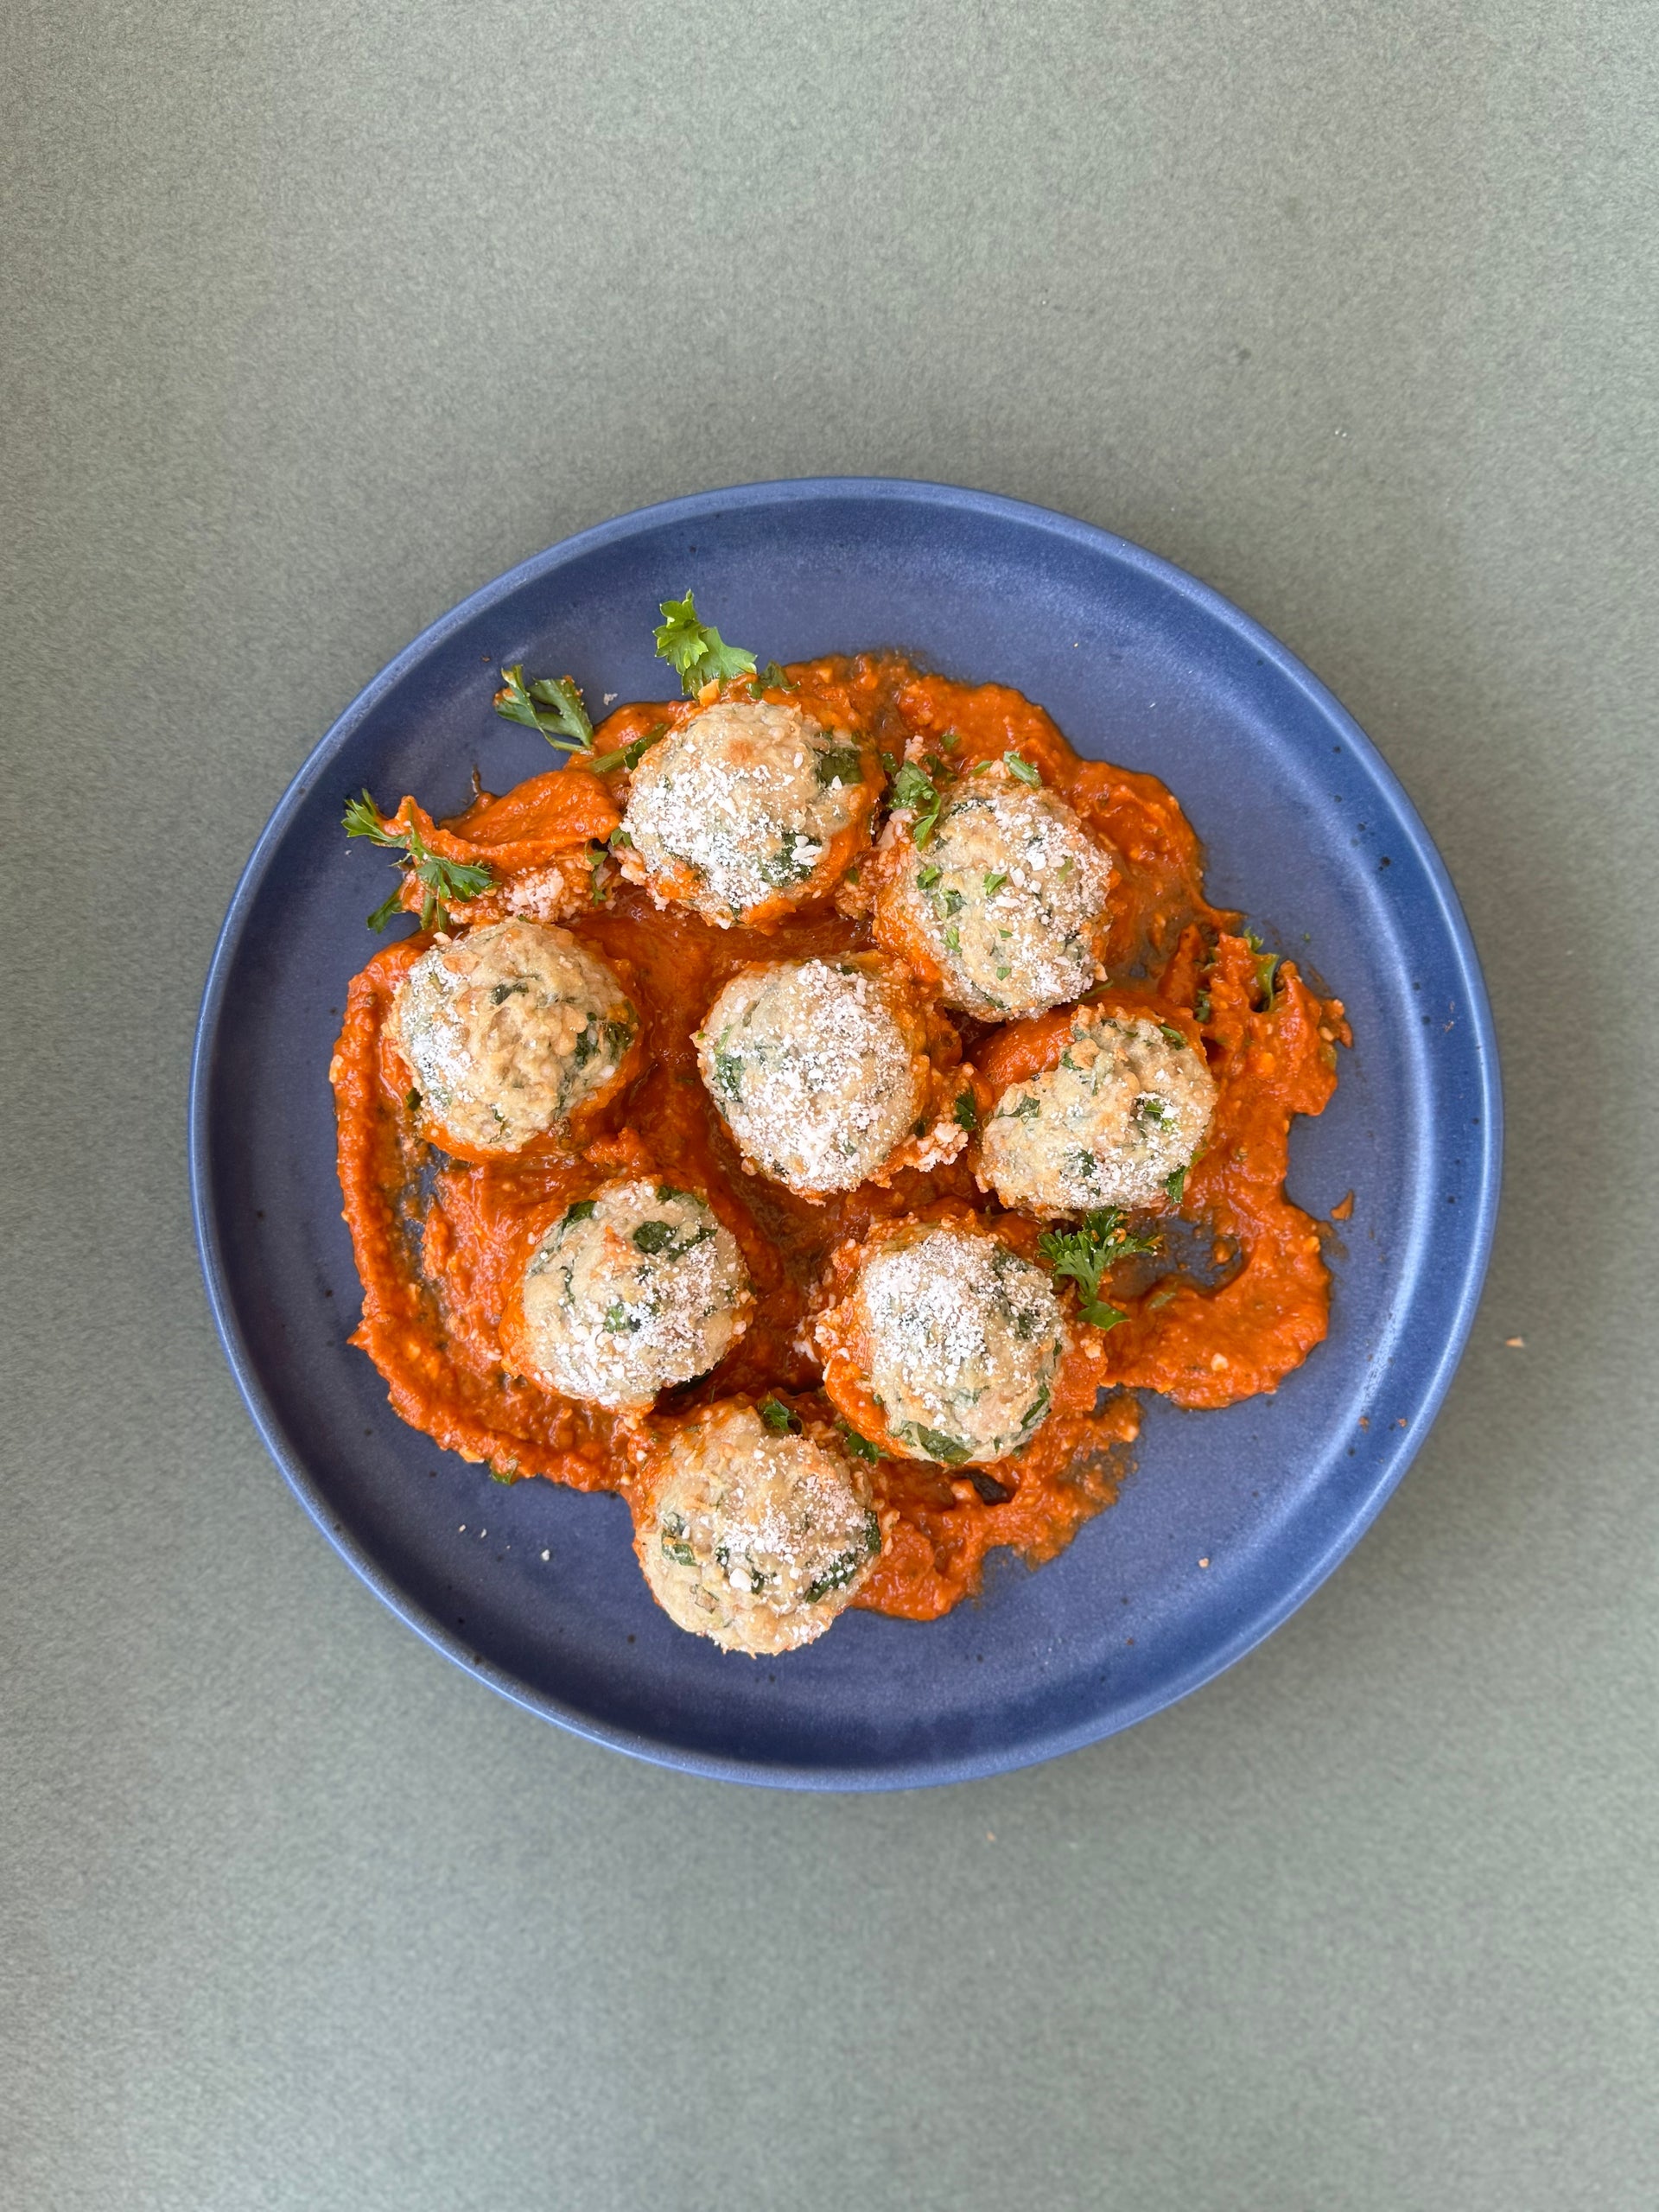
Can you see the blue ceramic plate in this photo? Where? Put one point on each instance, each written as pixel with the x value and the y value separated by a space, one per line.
pixel 535 1588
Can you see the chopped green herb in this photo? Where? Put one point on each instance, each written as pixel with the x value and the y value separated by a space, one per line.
pixel 953 939
pixel 582 1210
pixel 682 1552
pixel 861 1448
pixel 412 1100
pixel 619 836
pixel 771 678
pixel 1149 1109
pixel 1201 1006
pixel 1175 1186
pixel 628 756
pixel 508 1474
pixel 654 1236
pixel 1170 1034
pixel 927 877
pixel 994 882
pixel 1030 1109
pixel 1266 967
pixel 965 1112
pixel 778 1416
pixel 1037 1408
pixel 446 883
pixel 951 901
pixel 1023 769
pixel 1086 1252
pixel 840 764
pixel 696 651
pixel 949 1449
pixel 728 1074
pixel 912 787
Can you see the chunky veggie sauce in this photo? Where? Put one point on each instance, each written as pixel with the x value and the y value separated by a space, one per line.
pixel 1232 1297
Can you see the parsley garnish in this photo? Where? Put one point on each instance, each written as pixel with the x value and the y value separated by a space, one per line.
pixel 552 705
pixel 446 883
pixel 861 1448
pixel 1175 1185
pixel 777 1415
pixel 583 1210
pixel 1023 769
pixel 914 788
pixel 994 882
pixel 1170 1034
pixel 965 1113
pixel 1085 1254
pixel 771 677
pixel 696 651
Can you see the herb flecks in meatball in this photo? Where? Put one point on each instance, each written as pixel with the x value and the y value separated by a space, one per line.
pixel 754 1535
pixel 506 1032
pixel 820 1068
pixel 629 1293
pixel 744 809
pixel 1117 1122
pixel 1006 899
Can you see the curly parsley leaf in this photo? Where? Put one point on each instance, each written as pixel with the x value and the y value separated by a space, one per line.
pixel 778 1416
pixel 965 1112
pixel 914 788
pixel 1086 1253
pixel 446 883
pixel 696 651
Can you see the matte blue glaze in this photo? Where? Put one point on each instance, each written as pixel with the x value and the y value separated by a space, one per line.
pixel 1306 829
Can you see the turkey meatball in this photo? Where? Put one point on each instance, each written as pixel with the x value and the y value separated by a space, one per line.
pixel 506 1031
pixel 1007 899
pixel 820 1070
pixel 1116 1123
pixel 744 811
pixel 957 1339
pixel 755 1535
pixel 632 1291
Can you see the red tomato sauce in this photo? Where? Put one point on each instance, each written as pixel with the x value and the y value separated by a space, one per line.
pixel 440 1242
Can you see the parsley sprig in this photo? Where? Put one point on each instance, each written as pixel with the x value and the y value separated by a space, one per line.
pixel 553 705
pixel 1086 1253
pixel 696 651
pixel 446 883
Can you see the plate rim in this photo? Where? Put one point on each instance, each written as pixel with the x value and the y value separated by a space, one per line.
pixel 1390 1467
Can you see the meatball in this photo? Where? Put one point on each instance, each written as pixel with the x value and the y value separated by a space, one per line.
pixel 1116 1123
pixel 632 1291
pixel 1007 899
pixel 506 1032
pixel 959 1338
pixel 755 1536
pixel 820 1070
pixel 745 810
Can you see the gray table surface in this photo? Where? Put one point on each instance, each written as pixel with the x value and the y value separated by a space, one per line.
pixel 316 316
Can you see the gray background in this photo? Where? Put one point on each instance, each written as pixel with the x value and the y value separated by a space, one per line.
pixel 316 314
